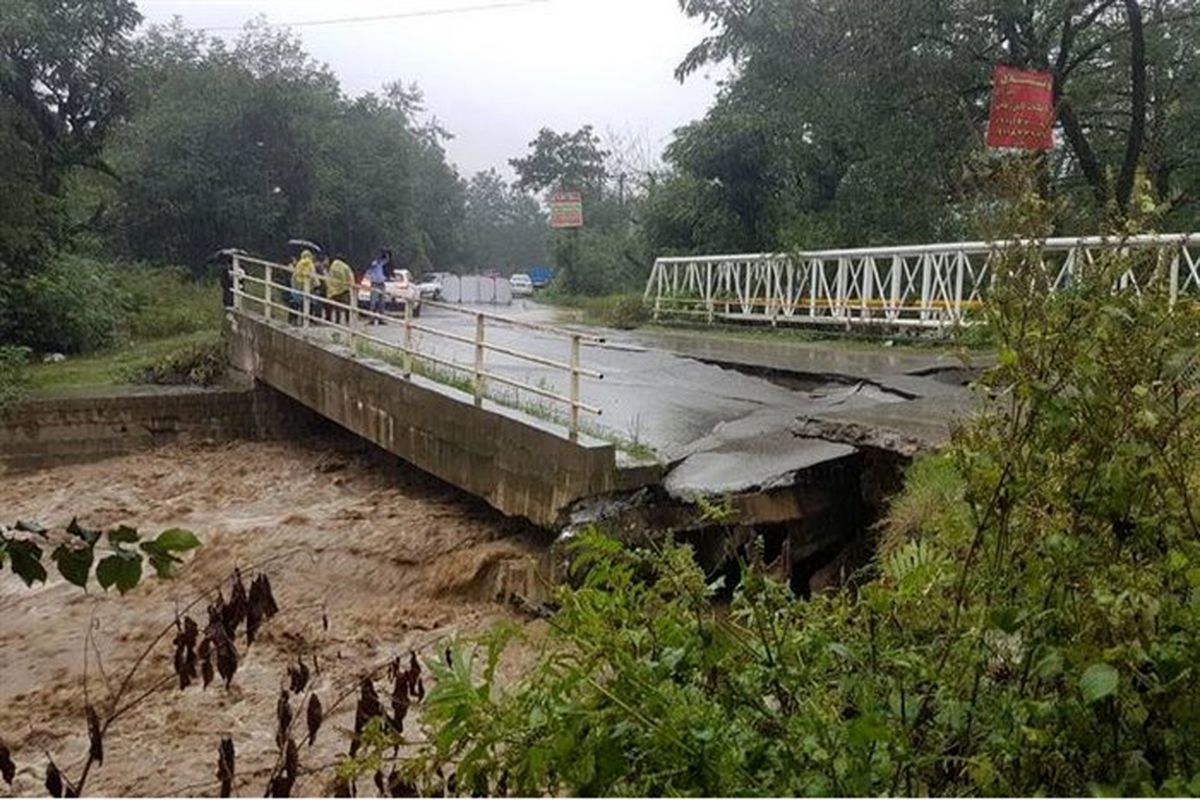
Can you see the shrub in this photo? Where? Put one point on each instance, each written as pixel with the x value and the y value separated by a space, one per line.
pixel 200 364
pixel 75 305
pixel 166 301
pixel 14 374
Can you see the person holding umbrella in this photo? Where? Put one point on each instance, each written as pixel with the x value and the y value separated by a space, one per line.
pixel 224 260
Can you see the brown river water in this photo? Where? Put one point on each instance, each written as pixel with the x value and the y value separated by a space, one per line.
pixel 393 559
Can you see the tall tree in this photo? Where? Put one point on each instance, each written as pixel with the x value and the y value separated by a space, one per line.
pixel 62 88
pixel 854 122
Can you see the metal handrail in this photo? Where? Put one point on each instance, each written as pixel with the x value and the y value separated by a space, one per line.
pixel 934 286
pixel 410 353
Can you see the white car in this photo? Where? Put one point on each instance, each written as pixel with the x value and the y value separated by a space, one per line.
pixel 430 288
pixel 399 290
pixel 522 285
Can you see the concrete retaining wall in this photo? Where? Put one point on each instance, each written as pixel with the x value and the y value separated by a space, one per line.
pixel 49 431
pixel 516 466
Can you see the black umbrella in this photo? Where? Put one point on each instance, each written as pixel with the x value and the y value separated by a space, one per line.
pixel 304 243
pixel 225 255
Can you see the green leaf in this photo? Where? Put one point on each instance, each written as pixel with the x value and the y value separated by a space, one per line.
pixel 123 570
pixel 177 540
pixel 27 561
pixel 164 564
pixel 866 729
pixel 1098 681
pixel 1050 665
pixel 122 535
pixel 1006 619
pixel 74 563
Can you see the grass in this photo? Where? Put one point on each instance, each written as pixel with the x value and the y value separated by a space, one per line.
pixel 117 367
pixel 621 311
pixel 971 339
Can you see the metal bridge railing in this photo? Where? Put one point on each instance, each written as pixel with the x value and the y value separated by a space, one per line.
pixel 265 295
pixel 923 286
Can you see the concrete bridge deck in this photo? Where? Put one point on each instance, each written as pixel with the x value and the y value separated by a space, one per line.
pixel 673 414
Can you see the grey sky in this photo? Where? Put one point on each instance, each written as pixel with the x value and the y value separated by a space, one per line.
pixel 494 77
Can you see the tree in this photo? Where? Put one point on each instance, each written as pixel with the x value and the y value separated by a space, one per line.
pixel 847 122
pixel 63 87
pixel 254 144
pixel 563 162
pixel 503 225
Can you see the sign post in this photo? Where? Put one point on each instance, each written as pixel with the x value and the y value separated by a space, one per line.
pixel 566 211
pixel 1022 115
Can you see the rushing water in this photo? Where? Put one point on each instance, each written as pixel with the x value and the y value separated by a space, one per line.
pixel 391 558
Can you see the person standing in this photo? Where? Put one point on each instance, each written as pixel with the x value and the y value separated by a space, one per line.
pixel 338 285
pixel 302 281
pixel 377 277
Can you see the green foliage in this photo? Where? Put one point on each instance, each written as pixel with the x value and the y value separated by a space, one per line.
pixel 77 304
pixel 254 143
pixel 851 123
pixel 571 162
pixel 80 304
pixel 121 554
pixel 1028 627
pixel 197 364
pixel 14 374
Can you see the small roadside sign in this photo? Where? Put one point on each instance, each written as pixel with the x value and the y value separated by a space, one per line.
pixel 1022 110
pixel 566 210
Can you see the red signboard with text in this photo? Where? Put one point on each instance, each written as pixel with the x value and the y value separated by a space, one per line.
pixel 1022 109
pixel 566 210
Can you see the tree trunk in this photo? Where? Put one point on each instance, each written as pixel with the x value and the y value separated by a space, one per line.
pixel 1089 163
pixel 1135 141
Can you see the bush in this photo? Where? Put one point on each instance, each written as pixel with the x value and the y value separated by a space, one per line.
pixel 165 301
pixel 200 364
pixel 75 305
pixel 80 305
pixel 14 374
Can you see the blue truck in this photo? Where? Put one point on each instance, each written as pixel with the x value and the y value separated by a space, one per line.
pixel 540 277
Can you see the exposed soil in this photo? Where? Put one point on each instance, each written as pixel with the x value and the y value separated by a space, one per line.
pixel 393 559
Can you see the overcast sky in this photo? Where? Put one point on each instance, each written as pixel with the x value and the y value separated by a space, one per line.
pixel 494 76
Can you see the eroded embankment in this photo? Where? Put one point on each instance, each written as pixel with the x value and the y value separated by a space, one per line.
pixel 393 559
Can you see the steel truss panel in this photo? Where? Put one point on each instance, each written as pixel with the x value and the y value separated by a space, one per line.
pixel 937 286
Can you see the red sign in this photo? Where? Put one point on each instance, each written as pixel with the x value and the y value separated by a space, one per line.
pixel 566 210
pixel 1022 109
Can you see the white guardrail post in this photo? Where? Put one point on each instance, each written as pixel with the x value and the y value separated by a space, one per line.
pixel 237 273
pixel 575 347
pixel 479 350
pixel 408 318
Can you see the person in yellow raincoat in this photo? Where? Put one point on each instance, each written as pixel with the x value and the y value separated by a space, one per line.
pixel 339 284
pixel 302 275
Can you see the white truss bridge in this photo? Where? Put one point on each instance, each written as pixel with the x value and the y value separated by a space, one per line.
pixel 934 286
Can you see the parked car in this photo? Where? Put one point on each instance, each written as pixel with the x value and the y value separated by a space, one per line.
pixel 430 288
pixel 522 285
pixel 540 276
pixel 398 290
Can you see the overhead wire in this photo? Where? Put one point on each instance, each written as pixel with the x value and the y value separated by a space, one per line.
pixel 429 12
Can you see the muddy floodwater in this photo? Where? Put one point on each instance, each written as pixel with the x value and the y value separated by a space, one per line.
pixel 391 559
